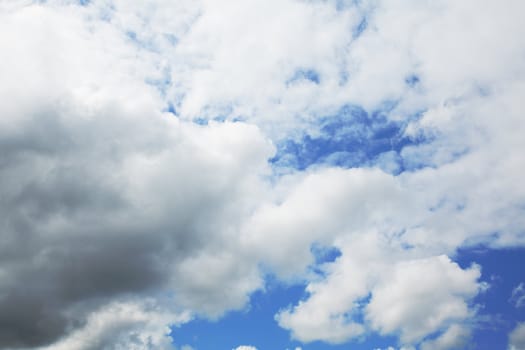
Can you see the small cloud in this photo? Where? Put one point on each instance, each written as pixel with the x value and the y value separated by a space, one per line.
pixel 245 347
pixel 518 296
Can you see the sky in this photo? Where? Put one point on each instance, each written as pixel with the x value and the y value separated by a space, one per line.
pixel 262 174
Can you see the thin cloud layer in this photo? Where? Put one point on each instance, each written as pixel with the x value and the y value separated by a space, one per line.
pixel 141 183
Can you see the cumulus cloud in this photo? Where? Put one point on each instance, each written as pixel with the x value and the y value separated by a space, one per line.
pixel 123 325
pixel 433 210
pixel 245 347
pixel 136 190
pixel 420 296
pixel 517 337
pixel 106 198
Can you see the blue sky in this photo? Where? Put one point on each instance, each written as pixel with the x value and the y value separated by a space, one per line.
pixel 352 137
pixel 498 314
pixel 262 174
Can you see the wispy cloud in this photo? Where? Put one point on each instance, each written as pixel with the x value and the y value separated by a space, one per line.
pixel 518 295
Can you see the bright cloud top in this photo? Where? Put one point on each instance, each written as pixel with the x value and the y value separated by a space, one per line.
pixel 159 160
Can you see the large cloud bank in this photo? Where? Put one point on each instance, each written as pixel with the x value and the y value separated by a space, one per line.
pixel 136 188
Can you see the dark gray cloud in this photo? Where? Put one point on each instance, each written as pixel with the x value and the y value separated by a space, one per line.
pixel 100 208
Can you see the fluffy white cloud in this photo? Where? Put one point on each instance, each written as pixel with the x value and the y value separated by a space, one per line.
pixel 517 337
pixel 412 298
pixel 245 347
pixel 456 201
pixel 105 197
pixel 322 206
pixel 124 325
pixel 419 297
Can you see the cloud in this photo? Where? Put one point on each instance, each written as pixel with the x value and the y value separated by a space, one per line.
pixel 302 216
pixel 114 203
pixel 123 325
pixel 518 295
pixel 421 296
pixel 517 337
pixel 106 199
pixel 455 337
pixel 397 305
pixel 245 347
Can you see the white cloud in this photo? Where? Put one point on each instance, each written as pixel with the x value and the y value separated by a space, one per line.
pixel 245 347
pixel 419 297
pixel 123 325
pixel 319 207
pixel 518 295
pixel 455 337
pixel 92 166
pixel 517 337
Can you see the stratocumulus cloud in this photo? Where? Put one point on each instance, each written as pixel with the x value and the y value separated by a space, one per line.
pixel 160 161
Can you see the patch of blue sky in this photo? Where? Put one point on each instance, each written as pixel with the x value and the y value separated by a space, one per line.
pixel 309 75
pixel 360 28
pixel 343 76
pixel 142 42
pixel 162 84
pixel 503 270
pixel 368 341
pixel 324 254
pixel 200 121
pixel 106 13
pixel 255 326
pixel 350 138
pixel 171 38
pixel 132 36
pixel 170 108
pixel 412 80
pixel 218 118
pixel 218 114
pixel 173 100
